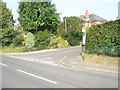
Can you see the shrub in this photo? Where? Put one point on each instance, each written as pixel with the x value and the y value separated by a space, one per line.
pixel 17 41
pixel 42 39
pixel 58 42
pixel 104 39
pixel 73 37
pixel 7 36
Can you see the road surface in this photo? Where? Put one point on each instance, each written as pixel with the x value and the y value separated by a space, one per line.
pixel 43 70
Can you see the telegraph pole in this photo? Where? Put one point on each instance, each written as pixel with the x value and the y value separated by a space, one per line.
pixel 65 25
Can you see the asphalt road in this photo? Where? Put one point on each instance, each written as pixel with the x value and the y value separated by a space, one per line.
pixel 43 70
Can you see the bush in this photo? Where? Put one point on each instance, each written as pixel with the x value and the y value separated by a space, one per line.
pixel 58 42
pixel 73 37
pixel 104 39
pixel 29 40
pixel 7 36
pixel 17 41
pixel 42 39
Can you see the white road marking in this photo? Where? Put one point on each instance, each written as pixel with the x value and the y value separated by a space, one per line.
pixel 3 64
pixel 55 64
pixel 33 75
pixel 63 58
pixel 43 60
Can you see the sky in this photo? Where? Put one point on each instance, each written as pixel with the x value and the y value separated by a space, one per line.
pixel 107 9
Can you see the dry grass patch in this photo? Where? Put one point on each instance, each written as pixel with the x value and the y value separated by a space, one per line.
pixel 11 50
pixel 100 59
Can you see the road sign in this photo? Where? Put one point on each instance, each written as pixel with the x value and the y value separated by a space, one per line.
pixel 84 37
pixel 83 29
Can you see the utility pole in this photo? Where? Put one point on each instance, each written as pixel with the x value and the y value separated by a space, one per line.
pixel 65 25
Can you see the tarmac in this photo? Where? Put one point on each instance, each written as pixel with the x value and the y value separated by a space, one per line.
pixel 73 62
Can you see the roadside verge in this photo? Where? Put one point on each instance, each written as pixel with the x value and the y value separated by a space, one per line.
pixel 71 61
pixel 40 51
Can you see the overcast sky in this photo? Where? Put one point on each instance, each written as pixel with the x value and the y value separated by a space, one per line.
pixel 107 9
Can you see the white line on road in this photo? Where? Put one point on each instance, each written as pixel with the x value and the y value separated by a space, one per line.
pixel 33 75
pixel 3 64
pixel 63 58
pixel 43 61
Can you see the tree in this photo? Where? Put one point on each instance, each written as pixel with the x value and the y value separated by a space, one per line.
pixel 71 30
pixel 42 39
pixel 18 40
pixel 7 36
pixel 74 37
pixel 72 23
pixel 6 16
pixel 38 16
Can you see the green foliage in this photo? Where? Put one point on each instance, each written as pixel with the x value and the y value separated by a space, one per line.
pixel 104 38
pixel 7 36
pixel 17 41
pixel 71 23
pixel 42 39
pixel 6 16
pixel 29 41
pixel 58 42
pixel 71 30
pixel 38 16
pixel 73 37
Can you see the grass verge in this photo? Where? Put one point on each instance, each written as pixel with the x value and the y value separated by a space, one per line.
pixel 16 49
pixel 11 50
pixel 100 59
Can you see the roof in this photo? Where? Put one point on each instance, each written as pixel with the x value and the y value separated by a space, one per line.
pixel 93 17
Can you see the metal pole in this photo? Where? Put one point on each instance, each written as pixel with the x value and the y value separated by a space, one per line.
pixel 83 39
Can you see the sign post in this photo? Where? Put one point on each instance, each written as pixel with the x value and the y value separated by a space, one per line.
pixel 83 39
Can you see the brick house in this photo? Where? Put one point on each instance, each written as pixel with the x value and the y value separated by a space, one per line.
pixel 91 19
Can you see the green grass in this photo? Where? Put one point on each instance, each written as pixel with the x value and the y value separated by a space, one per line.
pixel 16 49
pixel 11 50
pixel 100 59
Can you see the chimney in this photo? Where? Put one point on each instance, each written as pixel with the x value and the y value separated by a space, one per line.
pixel 87 15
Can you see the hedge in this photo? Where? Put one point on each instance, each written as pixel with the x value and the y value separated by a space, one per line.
pixel 104 39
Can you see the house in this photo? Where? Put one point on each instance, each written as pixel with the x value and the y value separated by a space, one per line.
pixel 91 19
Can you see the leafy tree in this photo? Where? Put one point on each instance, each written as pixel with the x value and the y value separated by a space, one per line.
pixel 17 41
pixel 6 16
pixel 42 39
pixel 71 30
pixel 72 23
pixel 74 37
pixel 38 16
pixel 7 36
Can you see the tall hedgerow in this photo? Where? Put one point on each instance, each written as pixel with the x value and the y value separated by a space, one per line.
pixel 104 39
